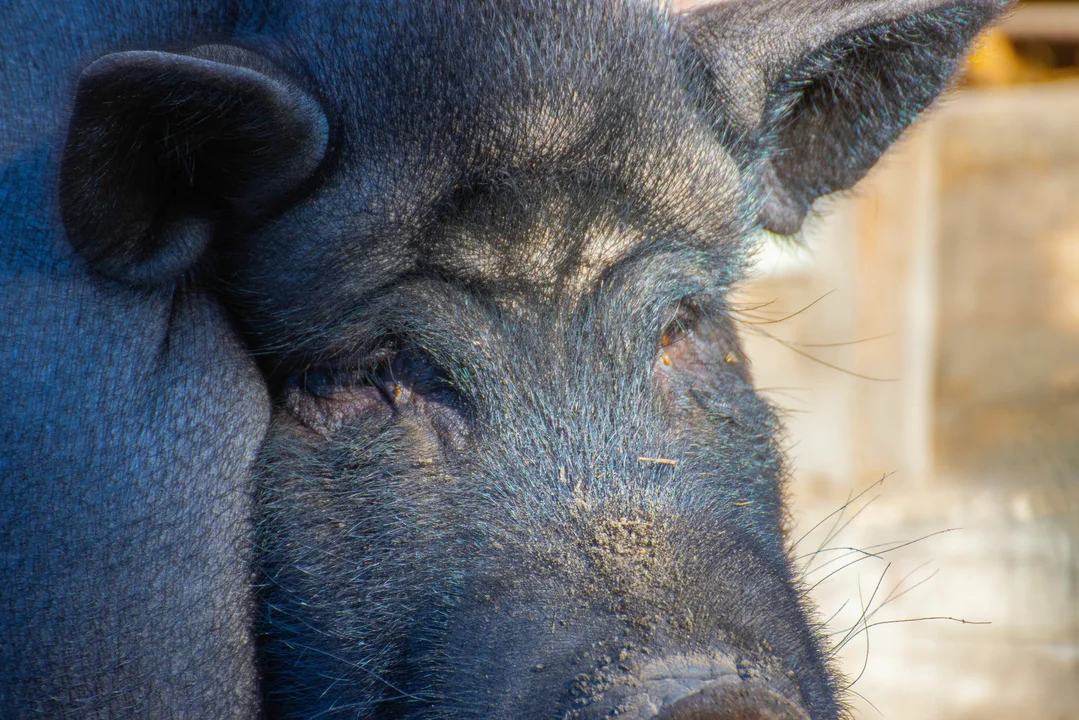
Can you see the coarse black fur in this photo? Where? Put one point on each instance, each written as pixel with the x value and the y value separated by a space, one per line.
pixel 413 317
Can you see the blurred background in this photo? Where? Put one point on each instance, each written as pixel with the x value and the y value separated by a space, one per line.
pixel 927 333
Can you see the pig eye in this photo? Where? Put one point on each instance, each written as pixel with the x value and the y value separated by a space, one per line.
pixel 387 381
pixel 374 378
pixel 685 319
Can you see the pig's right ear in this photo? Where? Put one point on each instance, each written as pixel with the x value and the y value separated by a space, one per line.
pixel 812 92
pixel 163 148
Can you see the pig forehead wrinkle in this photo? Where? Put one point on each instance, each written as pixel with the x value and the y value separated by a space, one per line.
pixel 555 253
pixel 544 260
pixel 544 234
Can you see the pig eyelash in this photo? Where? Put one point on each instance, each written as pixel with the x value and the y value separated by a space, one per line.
pixel 391 370
pixel 325 383
pixel 687 315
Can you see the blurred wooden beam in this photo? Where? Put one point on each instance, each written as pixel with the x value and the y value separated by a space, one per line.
pixel 1054 22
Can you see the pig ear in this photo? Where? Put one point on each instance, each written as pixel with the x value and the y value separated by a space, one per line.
pixel 816 90
pixel 162 148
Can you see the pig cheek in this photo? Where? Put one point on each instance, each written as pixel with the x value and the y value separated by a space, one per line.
pixel 449 425
pixel 700 365
pixel 437 431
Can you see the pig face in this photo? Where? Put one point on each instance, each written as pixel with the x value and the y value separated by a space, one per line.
pixel 517 467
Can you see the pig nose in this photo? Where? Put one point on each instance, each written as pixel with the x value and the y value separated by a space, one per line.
pixel 727 702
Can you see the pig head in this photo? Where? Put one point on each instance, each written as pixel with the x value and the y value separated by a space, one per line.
pixel 481 255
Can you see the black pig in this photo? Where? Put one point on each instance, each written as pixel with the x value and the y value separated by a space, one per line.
pixel 375 359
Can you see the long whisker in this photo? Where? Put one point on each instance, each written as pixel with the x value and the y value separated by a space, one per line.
pixel 868 552
pixel 790 346
pixel 929 618
pixel 842 508
pixel 841 344
pixel 792 315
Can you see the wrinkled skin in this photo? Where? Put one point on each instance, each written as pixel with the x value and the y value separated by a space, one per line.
pixel 375 359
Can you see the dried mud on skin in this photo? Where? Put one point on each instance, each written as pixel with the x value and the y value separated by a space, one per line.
pixel 621 559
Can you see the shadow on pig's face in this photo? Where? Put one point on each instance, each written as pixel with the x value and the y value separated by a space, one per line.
pixel 517 467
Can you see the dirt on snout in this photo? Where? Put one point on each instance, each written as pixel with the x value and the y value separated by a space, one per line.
pixel 630 556
pixel 625 563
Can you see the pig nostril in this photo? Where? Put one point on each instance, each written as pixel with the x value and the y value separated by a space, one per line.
pixel 724 702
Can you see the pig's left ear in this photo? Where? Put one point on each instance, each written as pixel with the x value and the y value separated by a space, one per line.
pixel 816 90
pixel 164 149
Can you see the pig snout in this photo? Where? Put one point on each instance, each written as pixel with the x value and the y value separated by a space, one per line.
pixel 698 688
pixel 722 702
